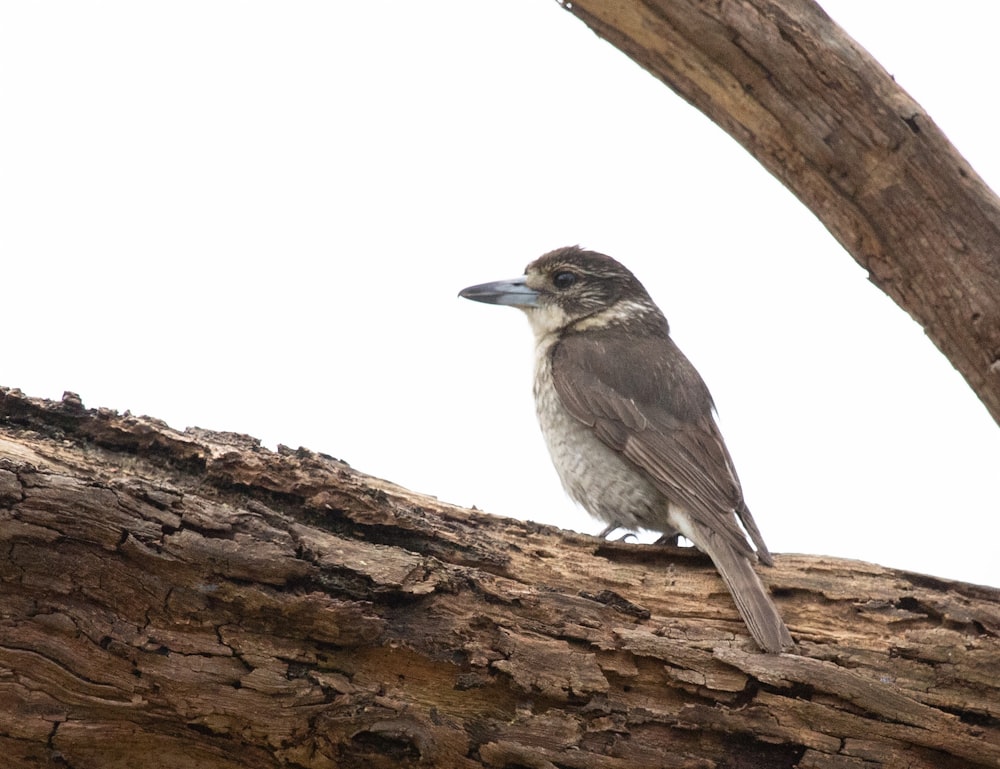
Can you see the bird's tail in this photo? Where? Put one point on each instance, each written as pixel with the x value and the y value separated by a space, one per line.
pixel 751 597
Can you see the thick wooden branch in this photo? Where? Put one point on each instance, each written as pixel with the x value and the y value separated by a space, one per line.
pixel 191 599
pixel 822 116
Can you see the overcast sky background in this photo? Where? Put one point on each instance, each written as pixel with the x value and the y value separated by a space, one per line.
pixel 256 216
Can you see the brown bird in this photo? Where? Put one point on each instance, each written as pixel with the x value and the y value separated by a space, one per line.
pixel 629 422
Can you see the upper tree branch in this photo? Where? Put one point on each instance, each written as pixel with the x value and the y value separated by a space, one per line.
pixel 823 116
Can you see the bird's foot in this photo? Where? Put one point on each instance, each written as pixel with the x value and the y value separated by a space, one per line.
pixel 611 528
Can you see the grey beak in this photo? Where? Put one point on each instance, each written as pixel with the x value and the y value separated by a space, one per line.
pixel 510 292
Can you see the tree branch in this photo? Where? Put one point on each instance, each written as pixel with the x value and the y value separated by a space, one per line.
pixel 824 117
pixel 191 599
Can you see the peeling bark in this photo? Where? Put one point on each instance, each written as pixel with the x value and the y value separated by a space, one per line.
pixel 191 599
pixel 820 114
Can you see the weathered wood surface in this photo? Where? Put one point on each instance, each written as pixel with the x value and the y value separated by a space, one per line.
pixel 190 599
pixel 818 112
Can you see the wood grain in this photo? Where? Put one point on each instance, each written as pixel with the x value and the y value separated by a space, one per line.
pixel 191 599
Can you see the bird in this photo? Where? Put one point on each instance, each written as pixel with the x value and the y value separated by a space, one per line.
pixel 630 424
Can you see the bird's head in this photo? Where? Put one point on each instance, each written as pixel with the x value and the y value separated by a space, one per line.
pixel 571 287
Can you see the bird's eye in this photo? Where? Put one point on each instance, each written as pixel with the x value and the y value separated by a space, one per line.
pixel 563 280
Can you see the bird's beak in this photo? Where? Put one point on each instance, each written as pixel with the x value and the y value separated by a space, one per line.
pixel 515 293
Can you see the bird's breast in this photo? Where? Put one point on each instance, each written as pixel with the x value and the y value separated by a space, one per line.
pixel 596 476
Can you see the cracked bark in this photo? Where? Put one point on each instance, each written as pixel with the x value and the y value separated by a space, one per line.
pixel 827 121
pixel 192 599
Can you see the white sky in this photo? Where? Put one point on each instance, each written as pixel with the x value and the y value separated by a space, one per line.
pixel 256 216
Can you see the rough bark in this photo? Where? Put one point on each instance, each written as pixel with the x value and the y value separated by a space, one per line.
pixel 827 120
pixel 192 599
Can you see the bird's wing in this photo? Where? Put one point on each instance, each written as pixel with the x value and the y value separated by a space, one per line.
pixel 645 400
